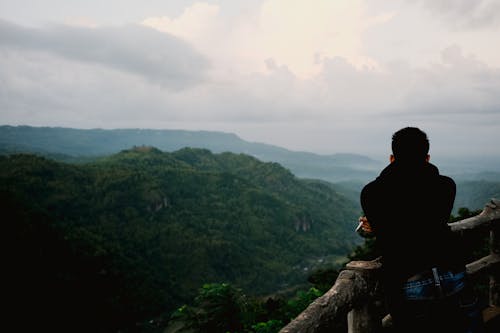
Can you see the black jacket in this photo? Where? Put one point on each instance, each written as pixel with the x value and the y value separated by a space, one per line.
pixel 408 207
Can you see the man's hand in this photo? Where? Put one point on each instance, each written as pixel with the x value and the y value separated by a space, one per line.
pixel 366 229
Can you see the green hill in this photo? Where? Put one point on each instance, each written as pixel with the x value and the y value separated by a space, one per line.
pixel 134 235
pixel 69 144
pixel 475 194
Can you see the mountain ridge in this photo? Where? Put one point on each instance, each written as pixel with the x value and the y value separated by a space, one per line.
pixel 145 229
pixel 97 142
pixel 351 171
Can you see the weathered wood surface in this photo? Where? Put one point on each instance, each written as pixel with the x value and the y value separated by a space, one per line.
pixel 363 318
pixel 486 263
pixel 321 315
pixel 365 267
pixel 489 215
pixel 488 218
pixel 494 292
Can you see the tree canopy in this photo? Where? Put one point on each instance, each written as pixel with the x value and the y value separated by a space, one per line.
pixel 133 235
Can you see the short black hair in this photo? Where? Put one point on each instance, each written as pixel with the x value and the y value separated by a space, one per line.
pixel 410 144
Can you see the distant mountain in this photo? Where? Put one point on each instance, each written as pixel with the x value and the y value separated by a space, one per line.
pixel 475 194
pixel 135 234
pixel 79 144
pixel 349 171
pixel 482 176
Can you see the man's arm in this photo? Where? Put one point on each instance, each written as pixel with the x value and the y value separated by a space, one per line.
pixel 366 230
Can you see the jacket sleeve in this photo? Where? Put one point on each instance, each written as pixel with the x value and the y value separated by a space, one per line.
pixel 368 207
pixel 449 189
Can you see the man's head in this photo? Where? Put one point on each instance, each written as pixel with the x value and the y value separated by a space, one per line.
pixel 410 145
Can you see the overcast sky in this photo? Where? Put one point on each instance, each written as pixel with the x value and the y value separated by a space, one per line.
pixel 324 76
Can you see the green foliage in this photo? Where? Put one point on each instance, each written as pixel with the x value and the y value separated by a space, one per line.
pixel 130 236
pixel 365 251
pixel 219 307
pixel 301 300
pixel 270 326
pixel 324 278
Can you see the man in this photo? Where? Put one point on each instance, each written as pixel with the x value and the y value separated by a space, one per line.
pixel 407 208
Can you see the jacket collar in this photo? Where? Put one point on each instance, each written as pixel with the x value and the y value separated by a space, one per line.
pixel 396 169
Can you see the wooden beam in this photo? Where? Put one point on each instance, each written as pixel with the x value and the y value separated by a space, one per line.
pixel 485 263
pixel 489 215
pixel 331 308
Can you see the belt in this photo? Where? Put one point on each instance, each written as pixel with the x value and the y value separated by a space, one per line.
pixel 429 274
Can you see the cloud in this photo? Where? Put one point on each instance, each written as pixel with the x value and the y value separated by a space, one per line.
pixel 192 24
pixel 294 33
pixel 155 56
pixel 468 14
pixel 226 41
pixel 329 77
pixel 459 85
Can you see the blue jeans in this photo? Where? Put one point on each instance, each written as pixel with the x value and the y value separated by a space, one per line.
pixel 440 302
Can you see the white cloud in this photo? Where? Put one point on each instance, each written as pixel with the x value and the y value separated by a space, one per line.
pixel 155 56
pixel 294 33
pixel 81 21
pixel 196 23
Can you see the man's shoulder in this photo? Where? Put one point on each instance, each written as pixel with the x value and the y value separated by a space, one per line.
pixel 442 178
pixel 447 181
pixel 370 187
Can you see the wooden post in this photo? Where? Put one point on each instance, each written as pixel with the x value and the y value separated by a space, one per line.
pixel 324 313
pixel 495 272
pixel 364 317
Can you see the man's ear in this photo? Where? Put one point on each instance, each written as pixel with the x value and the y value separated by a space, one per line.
pixel 391 158
pixel 427 158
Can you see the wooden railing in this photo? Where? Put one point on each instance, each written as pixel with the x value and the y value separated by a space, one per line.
pixel 354 299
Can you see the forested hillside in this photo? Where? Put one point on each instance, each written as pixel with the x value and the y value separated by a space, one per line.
pixel 476 179
pixel 475 194
pixel 76 145
pixel 134 235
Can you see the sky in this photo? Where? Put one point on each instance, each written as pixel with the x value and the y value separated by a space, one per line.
pixel 325 76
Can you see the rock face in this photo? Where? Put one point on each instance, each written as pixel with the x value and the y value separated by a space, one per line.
pixel 158 205
pixel 302 224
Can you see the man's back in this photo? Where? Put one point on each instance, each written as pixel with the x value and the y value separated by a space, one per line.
pixel 408 206
pixel 407 209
